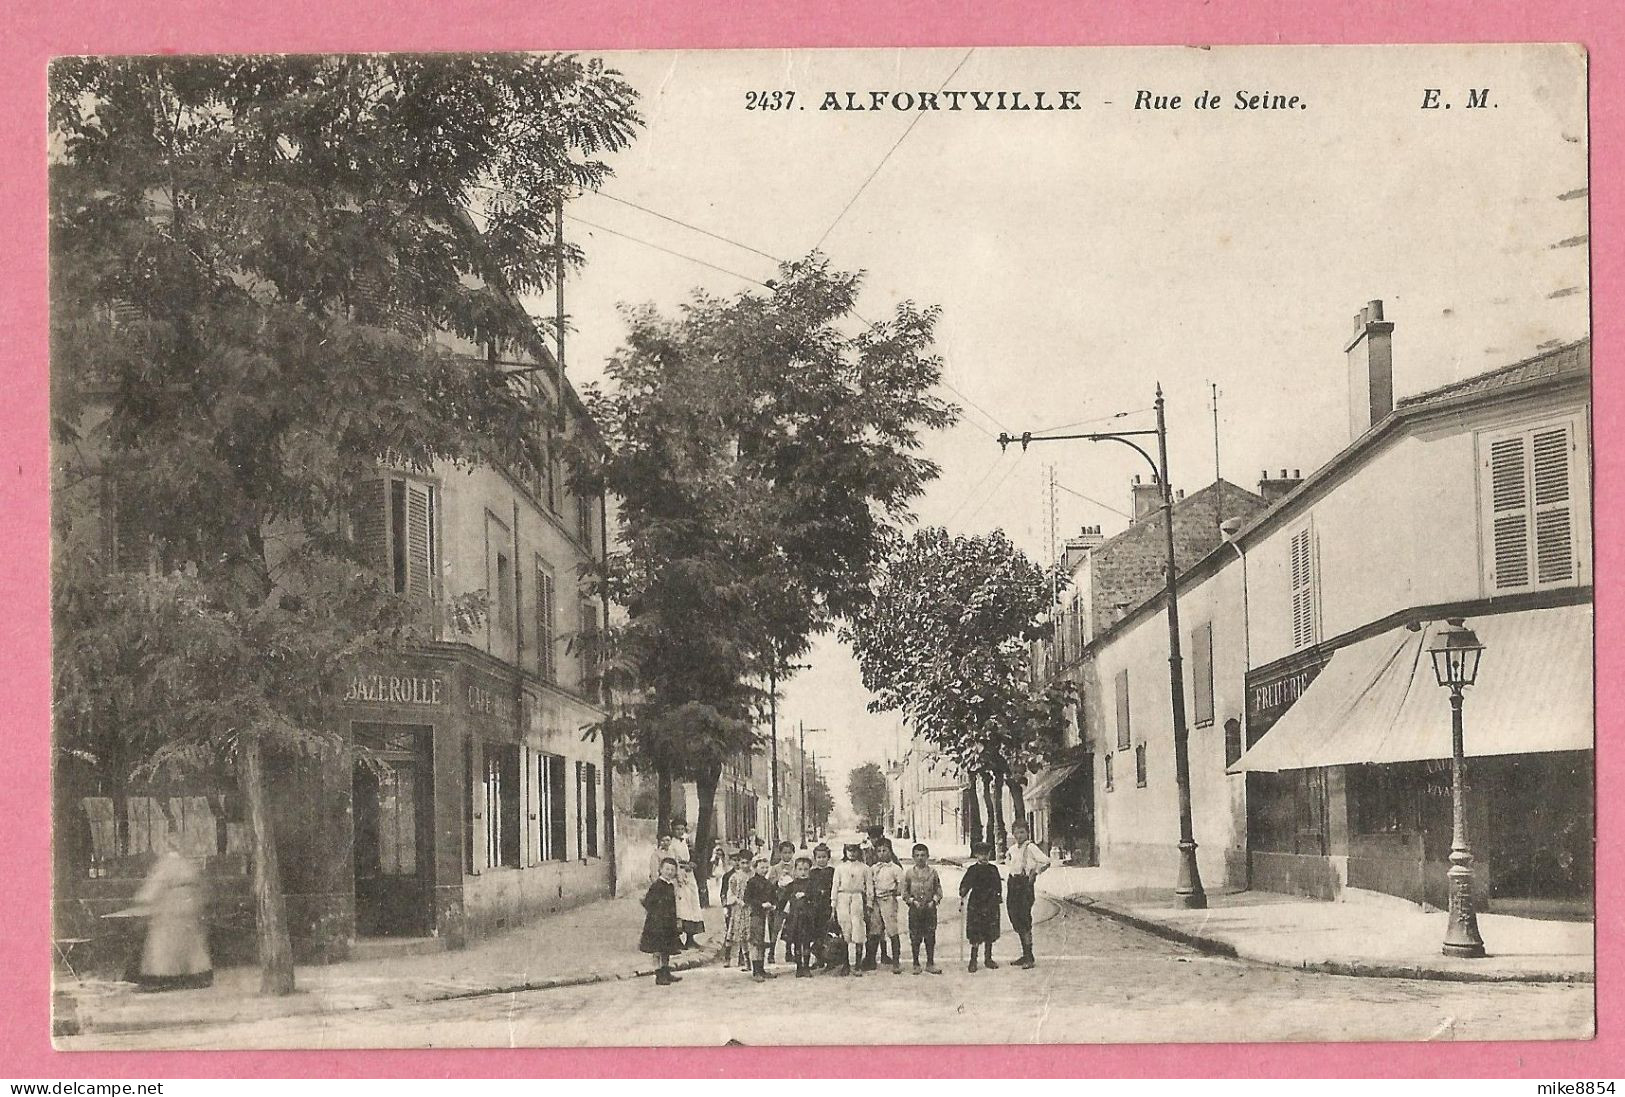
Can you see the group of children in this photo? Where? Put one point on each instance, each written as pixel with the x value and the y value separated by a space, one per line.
pixel 846 918
pixel 842 918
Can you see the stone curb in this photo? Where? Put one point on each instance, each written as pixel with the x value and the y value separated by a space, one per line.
pixel 70 1026
pixel 1212 946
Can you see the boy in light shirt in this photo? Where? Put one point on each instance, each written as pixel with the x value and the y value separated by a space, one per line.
pixel 888 876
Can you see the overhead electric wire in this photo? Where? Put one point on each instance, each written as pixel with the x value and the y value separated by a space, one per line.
pixel 971 494
pixel 871 178
pixel 668 251
pixel 686 225
pixel 1089 499
pixel 989 498
pixel 1091 422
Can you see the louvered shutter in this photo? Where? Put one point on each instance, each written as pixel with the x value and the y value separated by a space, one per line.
pixel 1303 589
pixel 371 524
pixel 1554 518
pixel 1124 735
pixel 1509 511
pixel 546 658
pixel 419 542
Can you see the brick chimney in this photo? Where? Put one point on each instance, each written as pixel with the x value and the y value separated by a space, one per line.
pixel 1371 369
pixel 1147 498
pixel 1080 546
pixel 1274 488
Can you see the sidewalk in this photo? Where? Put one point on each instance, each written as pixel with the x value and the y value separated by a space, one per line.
pixel 1381 939
pixel 593 943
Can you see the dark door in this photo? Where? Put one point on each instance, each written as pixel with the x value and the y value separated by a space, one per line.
pixel 393 857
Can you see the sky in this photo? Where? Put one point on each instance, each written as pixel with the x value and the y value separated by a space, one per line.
pixel 1081 258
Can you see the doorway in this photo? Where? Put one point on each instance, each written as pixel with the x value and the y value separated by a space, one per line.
pixel 393 852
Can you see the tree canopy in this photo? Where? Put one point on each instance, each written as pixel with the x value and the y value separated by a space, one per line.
pixel 765 455
pixel 254 261
pixel 944 641
pixel 867 791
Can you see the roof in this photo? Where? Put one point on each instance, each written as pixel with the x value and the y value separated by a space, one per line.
pixel 1572 358
pixel 1188 502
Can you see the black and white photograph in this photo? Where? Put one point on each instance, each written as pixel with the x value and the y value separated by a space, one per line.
pixel 926 546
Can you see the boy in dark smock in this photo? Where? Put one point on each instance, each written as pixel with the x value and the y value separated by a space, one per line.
pixel 662 935
pixel 979 894
pixel 761 899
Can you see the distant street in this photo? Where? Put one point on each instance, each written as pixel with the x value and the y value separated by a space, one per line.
pixel 1098 982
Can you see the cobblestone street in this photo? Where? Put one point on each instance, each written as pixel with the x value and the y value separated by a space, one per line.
pixel 1098 982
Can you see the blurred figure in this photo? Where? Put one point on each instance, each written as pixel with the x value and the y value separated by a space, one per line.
pixel 176 953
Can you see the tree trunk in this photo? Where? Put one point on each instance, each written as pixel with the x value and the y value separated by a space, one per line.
pixel 995 815
pixel 662 802
pixel 975 824
pixel 276 955
pixel 704 830
pixel 1017 798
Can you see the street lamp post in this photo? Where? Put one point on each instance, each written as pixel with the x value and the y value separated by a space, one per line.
pixel 1188 885
pixel 1456 651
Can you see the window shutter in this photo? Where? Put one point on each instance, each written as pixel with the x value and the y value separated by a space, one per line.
pixel 1554 525
pixel 1509 502
pixel 1123 733
pixel 546 658
pixel 1303 590
pixel 372 524
pixel 419 542
pixel 592 809
pixel 1202 673
pixel 555 784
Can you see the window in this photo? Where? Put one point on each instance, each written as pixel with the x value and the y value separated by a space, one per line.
pixel 549 813
pixel 394 526
pixel 504 593
pixel 1139 766
pixel 546 655
pixel 502 805
pixel 1232 742
pixel 1531 499
pixel 499 587
pixel 1121 686
pixel 1202 673
pixel 1108 773
pixel 584 521
pixel 1304 623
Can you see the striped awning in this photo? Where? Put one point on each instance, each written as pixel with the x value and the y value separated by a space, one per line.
pixel 1042 783
pixel 1378 700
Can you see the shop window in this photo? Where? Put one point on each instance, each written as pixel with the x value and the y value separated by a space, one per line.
pixel 1139 766
pixel 1305 615
pixel 502 796
pixel 546 630
pixel 1120 685
pixel 394 528
pixel 472 817
pixel 549 816
pixel 1533 491
pixel 1202 674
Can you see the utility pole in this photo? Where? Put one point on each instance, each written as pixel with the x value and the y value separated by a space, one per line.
pixel 801 773
pixel 773 724
pixel 1217 520
pixel 1189 883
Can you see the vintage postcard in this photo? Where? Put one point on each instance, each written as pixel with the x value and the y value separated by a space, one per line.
pixel 915 546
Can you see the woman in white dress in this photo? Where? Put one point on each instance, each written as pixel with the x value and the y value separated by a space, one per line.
pixel 688 891
pixel 176 953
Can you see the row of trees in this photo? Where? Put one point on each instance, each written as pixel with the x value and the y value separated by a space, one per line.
pixel 765 455
pixel 945 641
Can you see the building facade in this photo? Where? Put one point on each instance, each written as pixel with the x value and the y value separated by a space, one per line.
pixel 1318 739
pixel 465 798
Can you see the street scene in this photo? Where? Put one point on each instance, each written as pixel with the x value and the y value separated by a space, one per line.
pixel 735 547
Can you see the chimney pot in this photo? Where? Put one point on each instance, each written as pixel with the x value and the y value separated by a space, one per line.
pixel 1370 369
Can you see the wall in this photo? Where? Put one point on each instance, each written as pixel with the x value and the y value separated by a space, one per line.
pixel 1399 530
pixel 1137 829
pixel 502 898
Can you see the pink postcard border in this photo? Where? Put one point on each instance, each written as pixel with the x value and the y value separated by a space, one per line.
pixel 31 37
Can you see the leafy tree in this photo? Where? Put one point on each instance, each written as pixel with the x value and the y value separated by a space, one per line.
pixel 868 793
pixel 249 255
pixel 945 642
pixel 765 457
